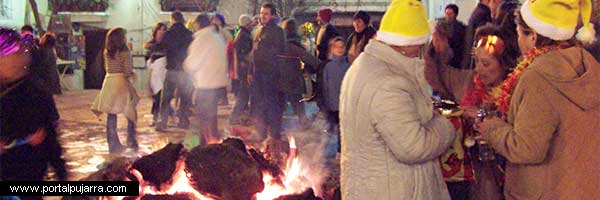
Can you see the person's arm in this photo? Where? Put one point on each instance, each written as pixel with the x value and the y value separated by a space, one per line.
pixel 128 63
pixel 308 59
pixel 526 141
pixel 396 118
pixel 432 74
pixel 151 45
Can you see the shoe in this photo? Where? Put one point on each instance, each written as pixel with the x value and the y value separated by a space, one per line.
pixel 161 127
pixel 117 148
pixel 132 143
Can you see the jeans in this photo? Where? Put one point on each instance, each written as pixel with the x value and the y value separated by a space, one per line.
pixel 298 106
pixel 206 107
pixel 181 81
pixel 114 144
pixel 269 102
pixel 333 144
pixel 242 96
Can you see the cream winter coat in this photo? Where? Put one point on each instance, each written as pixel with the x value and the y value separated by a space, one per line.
pixel 207 60
pixel 390 137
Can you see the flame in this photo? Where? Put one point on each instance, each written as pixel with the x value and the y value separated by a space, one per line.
pixel 292 143
pixel 180 184
pixel 298 177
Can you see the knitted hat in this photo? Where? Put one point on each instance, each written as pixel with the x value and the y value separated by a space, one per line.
pixel 404 24
pixel 364 16
pixel 325 14
pixel 557 19
pixel 221 18
pixel 244 20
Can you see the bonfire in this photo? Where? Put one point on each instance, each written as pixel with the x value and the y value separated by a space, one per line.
pixel 225 171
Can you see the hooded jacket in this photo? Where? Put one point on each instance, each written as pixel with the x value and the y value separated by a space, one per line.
pixel 390 138
pixel 552 137
pixel 207 60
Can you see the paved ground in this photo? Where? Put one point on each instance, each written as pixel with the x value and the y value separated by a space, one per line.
pixel 83 137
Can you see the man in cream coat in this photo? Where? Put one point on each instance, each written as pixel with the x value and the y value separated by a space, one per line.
pixel 391 135
pixel 207 64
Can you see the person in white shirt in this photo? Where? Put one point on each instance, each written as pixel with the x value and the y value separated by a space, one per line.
pixel 207 64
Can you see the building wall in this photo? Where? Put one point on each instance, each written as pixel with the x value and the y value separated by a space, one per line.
pixel 13 12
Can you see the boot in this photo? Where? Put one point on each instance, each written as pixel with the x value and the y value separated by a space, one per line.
pixel 114 145
pixel 131 135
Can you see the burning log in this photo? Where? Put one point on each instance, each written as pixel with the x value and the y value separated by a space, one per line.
pixel 168 197
pixel 158 167
pixel 309 194
pixel 223 171
pixel 267 166
pixel 235 143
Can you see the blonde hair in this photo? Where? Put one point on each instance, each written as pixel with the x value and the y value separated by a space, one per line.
pixel 331 43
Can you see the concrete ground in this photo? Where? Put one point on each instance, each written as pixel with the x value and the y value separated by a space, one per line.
pixel 83 137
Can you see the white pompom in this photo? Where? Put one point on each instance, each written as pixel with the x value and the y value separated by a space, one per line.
pixel 587 35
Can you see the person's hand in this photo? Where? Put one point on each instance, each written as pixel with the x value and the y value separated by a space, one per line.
pixel 38 137
pixel 250 79
pixel 470 111
pixel 436 112
pixel 483 127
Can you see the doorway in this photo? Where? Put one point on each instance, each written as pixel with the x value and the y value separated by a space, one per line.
pixel 94 46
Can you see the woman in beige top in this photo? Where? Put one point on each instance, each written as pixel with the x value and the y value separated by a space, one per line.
pixel 118 94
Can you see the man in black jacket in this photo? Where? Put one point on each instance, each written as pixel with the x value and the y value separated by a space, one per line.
pixel 267 100
pixel 456 35
pixel 176 41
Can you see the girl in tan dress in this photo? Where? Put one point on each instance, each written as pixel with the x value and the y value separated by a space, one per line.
pixel 118 94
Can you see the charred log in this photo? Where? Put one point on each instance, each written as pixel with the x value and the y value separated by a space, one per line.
pixel 268 166
pixel 158 167
pixel 223 171
pixel 235 143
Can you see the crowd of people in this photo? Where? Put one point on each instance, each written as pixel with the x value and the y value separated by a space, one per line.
pixel 265 64
pixel 525 81
pixel 522 76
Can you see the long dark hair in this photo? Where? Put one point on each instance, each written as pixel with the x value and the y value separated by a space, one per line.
pixel 541 40
pixel 115 42
pixel 155 29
